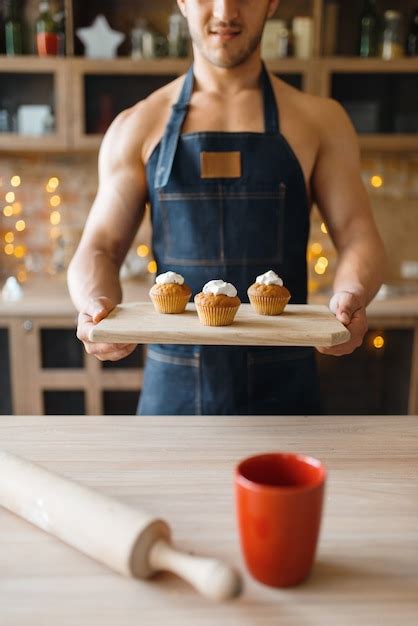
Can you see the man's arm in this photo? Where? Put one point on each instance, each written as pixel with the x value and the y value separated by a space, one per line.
pixel 117 211
pixel 343 201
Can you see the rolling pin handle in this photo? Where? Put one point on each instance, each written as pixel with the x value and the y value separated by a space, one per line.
pixel 212 578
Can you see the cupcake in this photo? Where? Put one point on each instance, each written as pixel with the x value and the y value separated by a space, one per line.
pixel 267 295
pixel 170 294
pixel 217 304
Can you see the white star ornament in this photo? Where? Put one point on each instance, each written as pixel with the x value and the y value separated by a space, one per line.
pixel 100 41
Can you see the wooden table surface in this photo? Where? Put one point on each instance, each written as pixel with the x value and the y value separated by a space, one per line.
pixel 181 468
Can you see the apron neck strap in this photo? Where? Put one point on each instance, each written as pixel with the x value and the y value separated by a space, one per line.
pixel 271 113
pixel 179 110
pixel 172 132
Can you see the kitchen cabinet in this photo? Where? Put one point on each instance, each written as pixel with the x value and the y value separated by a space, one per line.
pixel 51 374
pixel 86 94
pixel 44 368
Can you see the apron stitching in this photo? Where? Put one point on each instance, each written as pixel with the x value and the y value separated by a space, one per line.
pixel 173 360
pixel 280 221
pixel 221 225
pixel 218 262
pixel 166 227
pixel 253 195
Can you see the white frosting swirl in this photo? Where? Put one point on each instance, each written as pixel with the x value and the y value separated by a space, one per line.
pixel 269 278
pixel 169 277
pixel 218 287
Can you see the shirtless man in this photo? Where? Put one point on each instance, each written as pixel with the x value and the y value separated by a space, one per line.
pixel 286 150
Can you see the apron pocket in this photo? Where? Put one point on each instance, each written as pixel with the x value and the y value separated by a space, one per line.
pixel 222 225
pixel 171 384
pixel 283 381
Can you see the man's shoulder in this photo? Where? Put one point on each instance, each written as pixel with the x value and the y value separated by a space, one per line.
pixel 319 110
pixel 131 128
pixel 148 111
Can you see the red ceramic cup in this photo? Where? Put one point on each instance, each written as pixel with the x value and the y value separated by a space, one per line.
pixel 279 504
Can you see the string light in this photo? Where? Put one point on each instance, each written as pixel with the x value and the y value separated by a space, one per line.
pixel 8 211
pixel 55 201
pixel 142 250
pixel 378 342
pixel 20 225
pixel 17 208
pixel 152 267
pixel 323 261
pixel 10 197
pixel 9 237
pixel 324 228
pixel 20 252
pixel 320 269
pixel 15 181
pixel 9 249
pixel 52 184
pixel 316 248
pixel 55 218
pixel 376 182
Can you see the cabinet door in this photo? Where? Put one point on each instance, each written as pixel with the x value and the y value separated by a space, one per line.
pixel 33 104
pixel 374 380
pixel 64 380
pixel 5 373
pixel 104 88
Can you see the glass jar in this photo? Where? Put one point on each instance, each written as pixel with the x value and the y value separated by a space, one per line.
pixel 392 46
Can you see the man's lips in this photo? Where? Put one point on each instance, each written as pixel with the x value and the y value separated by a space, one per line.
pixel 224 33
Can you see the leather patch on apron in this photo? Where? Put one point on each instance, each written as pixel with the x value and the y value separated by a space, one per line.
pixel 220 164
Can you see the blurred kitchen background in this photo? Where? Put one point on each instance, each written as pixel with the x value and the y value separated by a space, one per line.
pixel 67 68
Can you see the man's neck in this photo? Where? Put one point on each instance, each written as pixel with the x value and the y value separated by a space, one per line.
pixel 226 82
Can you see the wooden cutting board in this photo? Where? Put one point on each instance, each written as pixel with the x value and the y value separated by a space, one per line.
pixel 299 325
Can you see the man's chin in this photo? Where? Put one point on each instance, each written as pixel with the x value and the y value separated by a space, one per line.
pixel 226 61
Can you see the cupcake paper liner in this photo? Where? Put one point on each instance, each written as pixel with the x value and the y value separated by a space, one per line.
pixel 264 305
pixel 169 304
pixel 216 316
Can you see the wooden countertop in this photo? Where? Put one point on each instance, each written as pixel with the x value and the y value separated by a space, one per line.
pixel 49 297
pixel 181 468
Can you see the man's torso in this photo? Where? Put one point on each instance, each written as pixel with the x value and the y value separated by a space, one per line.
pixel 298 115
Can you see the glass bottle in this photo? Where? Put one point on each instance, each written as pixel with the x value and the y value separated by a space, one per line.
pixel 392 46
pixel 178 35
pixel 369 29
pixel 412 43
pixel 13 28
pixel 47 40
pixel 2 33
pixel 138 32
pixel 59 19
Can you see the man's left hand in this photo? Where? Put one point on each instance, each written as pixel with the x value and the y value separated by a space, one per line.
pixel 350 311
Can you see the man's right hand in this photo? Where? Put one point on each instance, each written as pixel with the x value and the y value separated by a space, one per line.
pixel 96 310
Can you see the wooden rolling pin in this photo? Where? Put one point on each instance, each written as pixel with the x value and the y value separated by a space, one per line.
pixel 130 541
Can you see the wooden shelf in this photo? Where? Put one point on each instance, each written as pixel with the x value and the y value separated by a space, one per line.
pixel 127 65
pixel 357 64
pixel 72 73
pixel 391 143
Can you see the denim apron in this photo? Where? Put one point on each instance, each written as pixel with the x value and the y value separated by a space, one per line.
pixel 234 226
